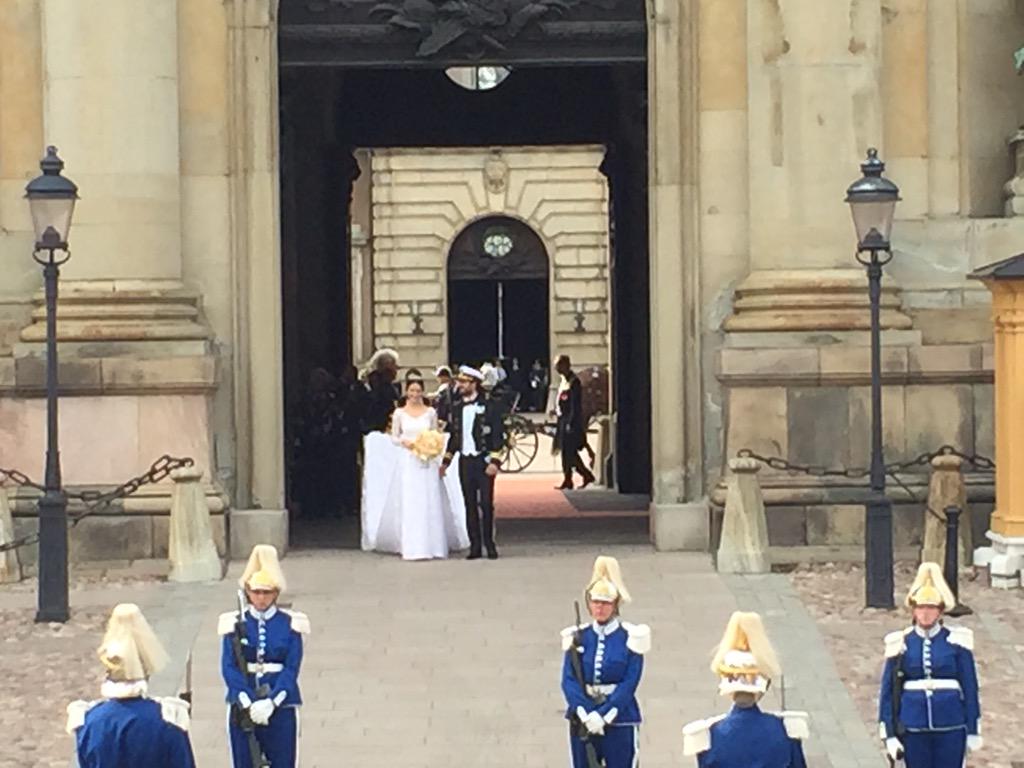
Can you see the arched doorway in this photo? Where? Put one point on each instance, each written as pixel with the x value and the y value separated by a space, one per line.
pixel 498 294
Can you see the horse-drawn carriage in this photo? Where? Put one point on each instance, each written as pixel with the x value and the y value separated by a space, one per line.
pixel 522 434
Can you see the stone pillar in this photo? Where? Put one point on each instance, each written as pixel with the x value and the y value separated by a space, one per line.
pixel 944 180
pixel 191 549
pixel 10 563
pixel 111 107
pixel 679 515
pixel 111 85
pixel 814 71
pixel 1014 189
pixel 946 488
pixel 1005 279
pixel 256 240
pixel 744 544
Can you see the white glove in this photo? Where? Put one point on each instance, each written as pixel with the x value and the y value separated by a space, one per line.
pixel 974 742
pixel 594 724
pixel 611 715
pixel 260 711
pixel 892 745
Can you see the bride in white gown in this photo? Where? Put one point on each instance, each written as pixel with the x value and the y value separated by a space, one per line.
pixel 407 507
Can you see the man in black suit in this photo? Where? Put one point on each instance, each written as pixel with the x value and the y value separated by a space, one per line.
pixel 477 434
pixel 571 431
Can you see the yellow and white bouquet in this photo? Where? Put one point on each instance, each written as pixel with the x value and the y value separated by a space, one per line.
pixel 429 444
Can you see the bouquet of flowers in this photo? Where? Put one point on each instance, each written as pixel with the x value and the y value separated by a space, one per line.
pixel 429 444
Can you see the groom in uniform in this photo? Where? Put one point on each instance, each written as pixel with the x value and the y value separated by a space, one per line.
pixel 477 434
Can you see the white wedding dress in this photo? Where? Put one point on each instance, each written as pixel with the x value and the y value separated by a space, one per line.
pixel 407 507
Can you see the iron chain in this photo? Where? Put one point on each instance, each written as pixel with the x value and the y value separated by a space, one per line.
pixel 94 500
pixel 979 462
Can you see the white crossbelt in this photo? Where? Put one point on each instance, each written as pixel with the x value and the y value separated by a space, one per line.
pixel 604 689
pixel 936 684
pixel 268 668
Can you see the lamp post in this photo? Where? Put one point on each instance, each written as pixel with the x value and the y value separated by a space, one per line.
pixel 872 202
pixel 51 201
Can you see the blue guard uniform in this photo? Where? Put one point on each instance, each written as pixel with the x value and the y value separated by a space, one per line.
pixel 602 709
pixel 938 708
pixel 131 732
pixel 746 737
pixel 928 710
pixel 273 654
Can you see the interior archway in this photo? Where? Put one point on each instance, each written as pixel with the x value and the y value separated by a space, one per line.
pixel 498 288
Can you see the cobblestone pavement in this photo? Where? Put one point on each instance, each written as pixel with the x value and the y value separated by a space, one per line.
pixel 44 666
pixel 834 596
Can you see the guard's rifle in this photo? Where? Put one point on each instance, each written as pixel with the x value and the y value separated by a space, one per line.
pixel 577 670
pixel 898 678
pixel 240 714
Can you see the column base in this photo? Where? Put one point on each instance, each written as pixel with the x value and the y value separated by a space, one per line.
pixel 811 300
pixel 1004 560
pixel 250 527
pixel 681 527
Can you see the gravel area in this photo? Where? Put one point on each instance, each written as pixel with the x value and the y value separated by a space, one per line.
pixel 45 666
pixel 833 595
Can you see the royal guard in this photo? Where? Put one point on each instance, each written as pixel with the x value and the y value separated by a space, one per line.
pixel 126 728
pixel 260 661
pixel 604 660
pixel 746 737
pixel 928 707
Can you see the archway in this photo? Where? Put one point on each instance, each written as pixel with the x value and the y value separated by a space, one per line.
pixel 498 304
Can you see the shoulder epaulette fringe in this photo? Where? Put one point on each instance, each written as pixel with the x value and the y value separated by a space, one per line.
pixel 77 710
pixel 300 621
pixel 175 711
pixel 962 636
pixel 639 637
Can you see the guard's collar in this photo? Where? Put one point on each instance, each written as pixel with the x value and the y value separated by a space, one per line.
pixel 123 689
pixel 266 615
pixel 929 633
pixel 603 630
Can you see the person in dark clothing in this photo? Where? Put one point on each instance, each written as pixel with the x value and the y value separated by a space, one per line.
pixel 517 384
pixel 317 483
pixel 349 402
pixel 538 387
pixel 444 398
pixel 380 394
pixel 477 434
pixel 570 431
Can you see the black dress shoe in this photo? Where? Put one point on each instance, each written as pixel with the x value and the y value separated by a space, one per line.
pixel 587 481
pixel 474 556
pixel 492 554
pixel 564 487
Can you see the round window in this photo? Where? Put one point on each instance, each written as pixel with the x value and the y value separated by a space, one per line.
pixel 478 78
pixel 497 244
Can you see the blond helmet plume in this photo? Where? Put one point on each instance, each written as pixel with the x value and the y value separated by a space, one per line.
pixel 745 658
pixel 606 581
pixel 263 571
pixel 930 588
pixel 130 649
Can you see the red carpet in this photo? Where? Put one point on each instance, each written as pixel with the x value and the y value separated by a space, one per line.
pixel 533 496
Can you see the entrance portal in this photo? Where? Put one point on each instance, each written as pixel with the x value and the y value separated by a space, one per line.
pixel 332 106
pixel 498 303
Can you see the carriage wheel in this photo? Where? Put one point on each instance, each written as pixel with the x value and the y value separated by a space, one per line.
pixel 521 445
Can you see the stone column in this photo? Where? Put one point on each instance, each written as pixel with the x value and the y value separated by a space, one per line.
pixel 679 515
pixel 815 106
pixel 256 257
pixel 944 180
pixel 190 549
pixel 111 107
pixel 1005 557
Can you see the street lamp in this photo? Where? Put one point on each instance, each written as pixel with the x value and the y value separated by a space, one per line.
pixel 872 202
pixel 51 201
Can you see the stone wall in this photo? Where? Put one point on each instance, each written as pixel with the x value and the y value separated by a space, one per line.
pixel 422 199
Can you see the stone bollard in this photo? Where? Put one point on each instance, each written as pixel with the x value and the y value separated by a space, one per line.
pixel 744 544
pixel 946 489
pixel 10 562
pixel 191 549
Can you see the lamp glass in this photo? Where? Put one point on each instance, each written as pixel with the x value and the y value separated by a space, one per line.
pixel 873 221
pixel 51 212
